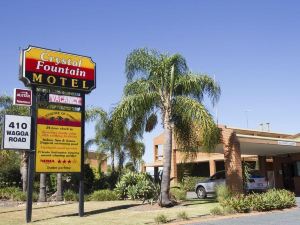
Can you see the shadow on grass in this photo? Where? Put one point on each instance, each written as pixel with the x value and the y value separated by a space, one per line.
pixel 43 207
pixel 93 212
pixel 198 201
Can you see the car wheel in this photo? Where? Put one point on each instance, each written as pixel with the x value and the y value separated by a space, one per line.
pixel 201 192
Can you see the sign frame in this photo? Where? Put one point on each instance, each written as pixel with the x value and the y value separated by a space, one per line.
pixel 27 82
pixel 28 142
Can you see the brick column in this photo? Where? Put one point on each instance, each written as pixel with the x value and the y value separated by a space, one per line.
pixel 233 160
pixel 174 167
pixel 262 163
pixel 156 175
pixel 212 167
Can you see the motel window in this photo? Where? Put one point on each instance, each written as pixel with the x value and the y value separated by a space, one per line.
pixel 297 168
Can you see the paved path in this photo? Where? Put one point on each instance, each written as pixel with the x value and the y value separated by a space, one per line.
pixel 290 217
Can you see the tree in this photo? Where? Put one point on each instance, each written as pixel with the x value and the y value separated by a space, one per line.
pixel 121 142
pixel 59 187
pixel 162 83
pixel 42 193
pixel 7 107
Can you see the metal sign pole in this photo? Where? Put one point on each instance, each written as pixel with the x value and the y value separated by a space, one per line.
pixel 81 182
pixel 31 158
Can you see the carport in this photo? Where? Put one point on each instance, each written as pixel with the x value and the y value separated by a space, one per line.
pixel 278 156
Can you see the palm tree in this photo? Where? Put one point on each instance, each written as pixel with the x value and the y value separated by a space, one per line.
pixel 104 138
pixel 163 83
pixel 42 193
pixel 59 187
pixel 120 142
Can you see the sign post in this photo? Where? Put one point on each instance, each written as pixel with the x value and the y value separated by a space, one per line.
pixel 31 158
pixel 81 182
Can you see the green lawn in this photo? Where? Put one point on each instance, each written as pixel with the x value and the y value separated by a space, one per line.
pixel 112 212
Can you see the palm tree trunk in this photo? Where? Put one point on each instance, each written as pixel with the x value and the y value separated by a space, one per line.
pixel 42 194
pixel 59 188
pixel 165 182
pixel 121 160
pixel 24 169
pixel 112 160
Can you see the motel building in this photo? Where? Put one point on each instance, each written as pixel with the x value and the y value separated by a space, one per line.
pixel 276 155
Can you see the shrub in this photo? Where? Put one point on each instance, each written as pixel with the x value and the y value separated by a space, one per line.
pixel 223 193
pixel 178 193
pixel 35 196
pixel 19 196
pixel 13 193
pixel 7 192
pixel 89 179
pixel 217 211
pixel 240 203
pixel 228 210
pixel 107 181
pixel 189 183
pixel 70 195
pixel 10 169
pixel 182 215
pixel 273 199
pixel 103 195
pixel 136 186
pixel 161 218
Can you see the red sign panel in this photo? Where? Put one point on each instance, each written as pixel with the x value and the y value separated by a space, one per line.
pixel 22 97
pixel 56 69
pixel 63 99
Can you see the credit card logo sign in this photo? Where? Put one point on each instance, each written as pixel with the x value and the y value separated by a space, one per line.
pixel 22 97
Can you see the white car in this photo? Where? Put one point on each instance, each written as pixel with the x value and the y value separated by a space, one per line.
pixel 255 183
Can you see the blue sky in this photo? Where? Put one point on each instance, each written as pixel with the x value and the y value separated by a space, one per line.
pixel 251 47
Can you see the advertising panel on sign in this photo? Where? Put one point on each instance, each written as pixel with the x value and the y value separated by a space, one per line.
pixel 58 144
pixel 16 133
pixel 22 97
pixel 44 67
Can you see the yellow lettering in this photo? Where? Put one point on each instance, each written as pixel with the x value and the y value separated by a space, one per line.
pixel 84 84
pixel 74 83
pixel 37 77
pixel 63 79
pixel 51 80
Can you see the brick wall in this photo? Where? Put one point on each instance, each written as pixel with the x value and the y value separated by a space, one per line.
pixel 233 161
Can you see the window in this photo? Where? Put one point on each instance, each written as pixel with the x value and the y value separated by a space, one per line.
pixel 297 168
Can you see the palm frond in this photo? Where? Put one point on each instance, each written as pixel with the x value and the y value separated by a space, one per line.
pixel 89 143
pixel 95 113
pixel 140 62
pixel 137 87
pixel 133 105
pixel 190 110
pixel 151 122
pixel 197 86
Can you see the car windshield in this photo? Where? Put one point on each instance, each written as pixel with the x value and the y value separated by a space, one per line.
pixel 255 174
pixel 218 175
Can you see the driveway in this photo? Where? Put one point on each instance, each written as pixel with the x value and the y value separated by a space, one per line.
pixel 289 217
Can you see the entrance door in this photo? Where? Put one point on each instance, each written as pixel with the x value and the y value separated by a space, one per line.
pixel 288 174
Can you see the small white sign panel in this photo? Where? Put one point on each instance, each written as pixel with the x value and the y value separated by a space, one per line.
pixel 16 134
pixel 63 99
pixel 290 143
